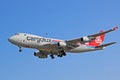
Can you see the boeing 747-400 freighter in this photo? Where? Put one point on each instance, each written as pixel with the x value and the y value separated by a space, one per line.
pixel 57 47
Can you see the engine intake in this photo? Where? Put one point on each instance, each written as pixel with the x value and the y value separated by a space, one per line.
pixel 62 44
pixel 86 39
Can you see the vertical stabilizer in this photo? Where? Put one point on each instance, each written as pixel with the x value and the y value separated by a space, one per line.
pixel 98 41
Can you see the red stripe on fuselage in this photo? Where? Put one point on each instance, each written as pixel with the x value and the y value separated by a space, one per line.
pixel 56 40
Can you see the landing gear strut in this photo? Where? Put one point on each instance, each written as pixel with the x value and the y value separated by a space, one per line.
pixel 62 53
pixel 20 49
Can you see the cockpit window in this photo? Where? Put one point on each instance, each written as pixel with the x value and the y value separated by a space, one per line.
pixel 24 34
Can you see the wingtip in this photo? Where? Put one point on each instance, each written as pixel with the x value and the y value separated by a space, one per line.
pixel 114 42
pixel 115 28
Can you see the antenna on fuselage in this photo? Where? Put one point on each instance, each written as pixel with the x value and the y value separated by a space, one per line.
pixel 46 34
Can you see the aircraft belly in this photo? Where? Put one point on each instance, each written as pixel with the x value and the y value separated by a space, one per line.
pixel 48 49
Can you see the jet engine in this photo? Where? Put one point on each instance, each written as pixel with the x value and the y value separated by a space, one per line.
pixel 86 39
pixel 40 55
pixel 62 44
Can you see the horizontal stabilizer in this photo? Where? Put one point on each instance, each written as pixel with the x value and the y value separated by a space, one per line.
pixel 105 45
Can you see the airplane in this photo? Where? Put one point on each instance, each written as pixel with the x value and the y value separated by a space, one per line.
pixel 56 47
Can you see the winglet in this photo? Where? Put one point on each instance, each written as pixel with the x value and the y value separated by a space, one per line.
pixel 115 28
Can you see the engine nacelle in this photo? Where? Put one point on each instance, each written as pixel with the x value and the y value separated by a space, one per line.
pixel 62 44
pixel 86 39
pixel 40 55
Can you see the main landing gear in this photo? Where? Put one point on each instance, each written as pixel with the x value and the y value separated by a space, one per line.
pixel 60 54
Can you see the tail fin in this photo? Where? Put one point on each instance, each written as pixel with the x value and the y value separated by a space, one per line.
pixel 98 41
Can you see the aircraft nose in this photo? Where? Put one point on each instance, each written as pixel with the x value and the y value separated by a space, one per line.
pixel 11 39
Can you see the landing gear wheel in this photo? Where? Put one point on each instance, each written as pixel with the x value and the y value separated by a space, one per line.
pixel 20 50
pixel 34 53
pixel 60 55
pixel 64 54
pixel 52 57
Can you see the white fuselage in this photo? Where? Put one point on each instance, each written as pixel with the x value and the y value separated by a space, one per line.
pixel 50 46
pixel 38 42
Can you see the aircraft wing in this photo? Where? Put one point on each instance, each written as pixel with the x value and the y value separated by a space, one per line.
pixel 89 38
pixel 104 32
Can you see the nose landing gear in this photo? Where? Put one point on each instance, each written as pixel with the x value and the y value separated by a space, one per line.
pixel 20 49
